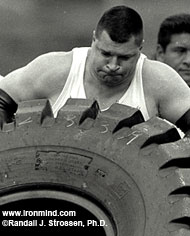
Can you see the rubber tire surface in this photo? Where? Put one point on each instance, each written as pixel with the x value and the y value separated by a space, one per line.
pixel 136 171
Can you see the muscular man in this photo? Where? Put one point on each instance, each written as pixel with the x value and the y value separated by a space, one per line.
pixel 173 44
pixel 112 70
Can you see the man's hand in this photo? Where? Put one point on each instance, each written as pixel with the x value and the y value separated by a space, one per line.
pixel 184 123
pixel 7 108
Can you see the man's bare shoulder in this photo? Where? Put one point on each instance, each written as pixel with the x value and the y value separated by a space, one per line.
pixel 52 61
pixel 54 68
pixel 41 78
pixel 158 70
pixel 158 75
pixel 45 64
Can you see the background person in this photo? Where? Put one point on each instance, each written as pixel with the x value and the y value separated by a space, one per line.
pixel 173 44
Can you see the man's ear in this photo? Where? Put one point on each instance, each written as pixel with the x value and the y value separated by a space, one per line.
pixel 94 36
pixel 141 46
pixel 159 53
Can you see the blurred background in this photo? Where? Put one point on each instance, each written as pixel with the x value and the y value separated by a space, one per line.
pixel 29 28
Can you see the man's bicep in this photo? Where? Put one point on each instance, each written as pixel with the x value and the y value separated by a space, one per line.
pixel 176 104
pixel 172 94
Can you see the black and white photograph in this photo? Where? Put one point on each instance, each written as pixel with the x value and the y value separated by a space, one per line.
pixel 95 117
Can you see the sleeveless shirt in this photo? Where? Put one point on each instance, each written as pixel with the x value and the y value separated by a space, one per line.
pixel 74 86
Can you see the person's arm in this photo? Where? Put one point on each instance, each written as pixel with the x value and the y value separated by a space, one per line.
pixel 173 96
pixel 41 78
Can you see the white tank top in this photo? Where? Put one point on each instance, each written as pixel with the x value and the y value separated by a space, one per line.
pixel 74 86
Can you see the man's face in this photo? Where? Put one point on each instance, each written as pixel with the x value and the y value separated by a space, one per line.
pixel 177 55
pixel 113 63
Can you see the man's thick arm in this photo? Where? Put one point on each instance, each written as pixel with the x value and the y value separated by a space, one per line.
pixel 172 96
pixel 42 78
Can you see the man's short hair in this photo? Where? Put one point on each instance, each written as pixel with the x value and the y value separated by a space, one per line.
pixel 121 23
pixel 175 24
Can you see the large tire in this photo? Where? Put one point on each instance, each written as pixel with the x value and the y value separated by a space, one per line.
pixel 132 174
